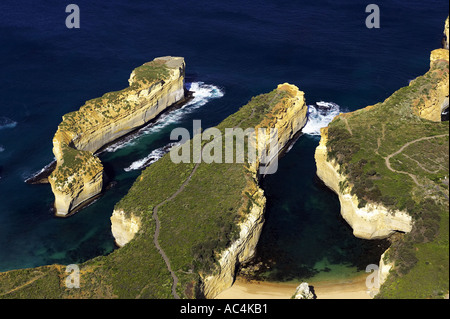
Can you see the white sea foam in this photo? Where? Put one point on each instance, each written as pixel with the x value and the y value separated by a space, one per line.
pixel 27 176
pixel 151 158
pixel 319 115
pixel 201 94
pixel 6 123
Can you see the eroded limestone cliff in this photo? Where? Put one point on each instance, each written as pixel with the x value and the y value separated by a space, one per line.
pixel 426 97
pixel 431 104
pixel 388 163
pixel 446 35
pixel 373 221
pixel 78 175
pixel 288 118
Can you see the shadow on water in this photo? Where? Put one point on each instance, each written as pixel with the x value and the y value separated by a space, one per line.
pixel 304 234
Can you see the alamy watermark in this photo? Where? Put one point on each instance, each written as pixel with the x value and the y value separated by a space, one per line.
pixel 73 279
pixel 372 280
pixel 373 19
pixel 234 145
pixel 73 19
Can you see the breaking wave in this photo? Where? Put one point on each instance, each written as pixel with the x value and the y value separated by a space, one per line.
pixel 151 158
pixel 319 115
pixel 201 94
pixel 6 123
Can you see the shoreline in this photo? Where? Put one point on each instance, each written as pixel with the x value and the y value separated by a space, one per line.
pixel 346 288
pixel 41 177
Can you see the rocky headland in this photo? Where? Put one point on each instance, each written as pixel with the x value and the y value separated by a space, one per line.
pixel 183 228
pixel 388 164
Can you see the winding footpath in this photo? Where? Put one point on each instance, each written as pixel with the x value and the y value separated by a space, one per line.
pixel 387 159
pixel 157 230
pixel 158 223
pixel 22 286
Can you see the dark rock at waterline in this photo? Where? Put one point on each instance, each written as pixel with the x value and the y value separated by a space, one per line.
pixel 42 176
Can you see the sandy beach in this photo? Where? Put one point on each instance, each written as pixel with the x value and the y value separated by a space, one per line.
pixel 354 288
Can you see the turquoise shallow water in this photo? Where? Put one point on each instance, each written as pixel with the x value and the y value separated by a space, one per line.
pixel 242 49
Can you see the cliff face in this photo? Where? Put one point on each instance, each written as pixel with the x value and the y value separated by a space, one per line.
pixel 446 35
pixel 384 268
pixel 241 250
pixel 426 97
pixel 388 163
pixel 431 105
pixel 289 117
pixel 78 175
pixel 124 228
pixel 368 222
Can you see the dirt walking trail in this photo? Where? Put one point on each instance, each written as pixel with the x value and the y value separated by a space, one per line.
pixel 387 159
pixel 158 223
pixel 157 230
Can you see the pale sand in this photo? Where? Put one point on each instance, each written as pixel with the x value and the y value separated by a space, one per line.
pixel 354 288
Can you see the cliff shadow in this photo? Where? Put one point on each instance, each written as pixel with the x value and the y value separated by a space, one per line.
pixel 359 252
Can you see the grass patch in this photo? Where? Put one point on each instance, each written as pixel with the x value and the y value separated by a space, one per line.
pixel 361 151
pixel 196 226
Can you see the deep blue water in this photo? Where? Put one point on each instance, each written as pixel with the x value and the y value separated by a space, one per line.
pixel 243 48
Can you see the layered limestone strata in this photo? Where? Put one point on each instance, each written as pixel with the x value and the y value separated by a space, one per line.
pixel 431 105
pixel 241 250
pixel 368 222
pixel 446 35
pixel 287 118
pixel 290 115
pixel 124 228
pixel 153 87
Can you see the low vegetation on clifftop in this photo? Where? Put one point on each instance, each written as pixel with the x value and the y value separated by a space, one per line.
pixel 394 157
pixel 200 207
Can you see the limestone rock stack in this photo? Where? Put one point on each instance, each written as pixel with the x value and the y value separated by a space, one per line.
pixel 78 176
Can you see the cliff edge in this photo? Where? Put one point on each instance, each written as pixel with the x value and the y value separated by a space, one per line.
pixel 183 228
pixel 388 164
pixel 78 175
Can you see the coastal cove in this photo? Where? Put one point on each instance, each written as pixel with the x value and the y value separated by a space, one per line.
pixel 304 238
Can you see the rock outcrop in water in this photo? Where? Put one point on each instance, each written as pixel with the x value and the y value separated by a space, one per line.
pixel 78 175
pixel 303 292
pixel 184 227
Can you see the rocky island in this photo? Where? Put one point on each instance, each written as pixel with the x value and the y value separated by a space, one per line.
pixel 78 176
pixel 389 165
pixel 184 228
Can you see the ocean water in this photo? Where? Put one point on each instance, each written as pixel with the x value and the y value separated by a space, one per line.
pixel 233 50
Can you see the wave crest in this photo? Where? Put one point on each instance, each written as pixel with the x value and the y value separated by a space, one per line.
pixel 201 94
pixel 151 158
pixel 6 123
pixel 319 115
